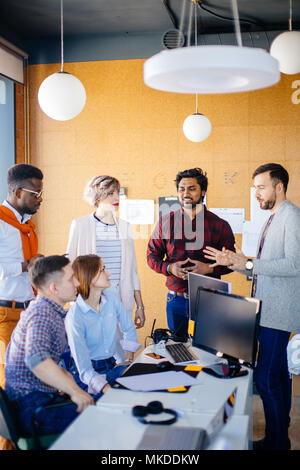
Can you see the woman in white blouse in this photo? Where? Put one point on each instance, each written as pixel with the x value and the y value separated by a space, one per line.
pixel 91 326
pixel 111 238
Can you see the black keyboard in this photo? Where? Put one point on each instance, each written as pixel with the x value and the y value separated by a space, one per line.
pixel 180 353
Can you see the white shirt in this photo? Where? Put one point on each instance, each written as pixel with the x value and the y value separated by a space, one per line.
pixel 14 284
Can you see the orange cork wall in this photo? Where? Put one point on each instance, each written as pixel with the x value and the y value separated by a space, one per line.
pixel 135 134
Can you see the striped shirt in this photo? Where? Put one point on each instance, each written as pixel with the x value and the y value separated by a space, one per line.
pixel 39 335
pixel 108 247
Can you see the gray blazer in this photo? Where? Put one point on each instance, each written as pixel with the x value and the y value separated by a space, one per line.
pixel 278 271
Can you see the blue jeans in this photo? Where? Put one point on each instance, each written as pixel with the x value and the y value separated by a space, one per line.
pixel 49 421
pixel 274 385
pixel 102 366
pixel 177 315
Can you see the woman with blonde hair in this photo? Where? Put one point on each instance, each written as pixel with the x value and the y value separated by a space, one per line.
pixel 111 238
pixel 91 326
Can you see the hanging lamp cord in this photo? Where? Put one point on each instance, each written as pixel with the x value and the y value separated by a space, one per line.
pixel 236 22
pixel 290 19
pixel 196 44
pixel 62 35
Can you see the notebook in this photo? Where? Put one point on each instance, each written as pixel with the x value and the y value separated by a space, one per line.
pixel 174 437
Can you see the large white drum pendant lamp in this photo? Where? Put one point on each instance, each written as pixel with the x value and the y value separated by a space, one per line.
pixel 61 96
pixel 212 69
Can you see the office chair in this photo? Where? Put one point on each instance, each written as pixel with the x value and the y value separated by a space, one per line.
pixel 9 429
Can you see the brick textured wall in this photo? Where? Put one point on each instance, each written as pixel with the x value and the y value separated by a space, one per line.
pixel 20 123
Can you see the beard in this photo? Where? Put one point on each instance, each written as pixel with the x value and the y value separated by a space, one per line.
pixel 191 204
pixel 30 211
pixel 267 205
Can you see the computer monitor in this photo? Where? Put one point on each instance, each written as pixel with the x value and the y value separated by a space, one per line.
pixel 227 324
pixel 198 280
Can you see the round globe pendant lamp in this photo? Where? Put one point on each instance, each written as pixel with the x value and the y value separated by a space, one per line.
pixel 212 69
pixel 62 96
pixel 196 127
pixel 286 49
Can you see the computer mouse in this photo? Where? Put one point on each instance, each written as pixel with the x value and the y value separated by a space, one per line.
pixel 165 365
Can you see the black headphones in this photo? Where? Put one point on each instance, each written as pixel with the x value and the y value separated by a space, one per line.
pixel 161 334
pixel 154 407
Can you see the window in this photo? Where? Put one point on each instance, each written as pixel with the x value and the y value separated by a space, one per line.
pixel 7 131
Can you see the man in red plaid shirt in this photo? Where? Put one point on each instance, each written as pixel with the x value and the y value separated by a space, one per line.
pixel 177 242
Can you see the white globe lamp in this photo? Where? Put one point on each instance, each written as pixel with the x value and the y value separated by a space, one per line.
pixel 286 49
pixel 196 127
pixel 61 96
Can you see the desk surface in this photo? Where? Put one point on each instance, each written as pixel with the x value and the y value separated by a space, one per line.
pixel 110 425
pixel 203 398
pixel 114 428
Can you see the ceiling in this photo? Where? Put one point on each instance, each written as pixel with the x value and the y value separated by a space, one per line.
pixel 32 19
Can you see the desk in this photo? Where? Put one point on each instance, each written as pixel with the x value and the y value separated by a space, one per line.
pixel 110 425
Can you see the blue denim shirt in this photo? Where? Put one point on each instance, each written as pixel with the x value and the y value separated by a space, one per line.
pixel 93 335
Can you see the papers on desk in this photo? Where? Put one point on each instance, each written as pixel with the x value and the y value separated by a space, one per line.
pixel 157 381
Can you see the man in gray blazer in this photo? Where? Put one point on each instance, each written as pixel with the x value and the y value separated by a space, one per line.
pixel 276 282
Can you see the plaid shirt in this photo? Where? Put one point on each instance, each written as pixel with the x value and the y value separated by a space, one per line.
pixel 176 238
pixel 39 335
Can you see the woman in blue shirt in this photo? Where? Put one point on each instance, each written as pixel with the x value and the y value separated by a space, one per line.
pixel 91 326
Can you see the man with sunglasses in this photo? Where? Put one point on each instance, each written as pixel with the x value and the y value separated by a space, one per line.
pixel 18 247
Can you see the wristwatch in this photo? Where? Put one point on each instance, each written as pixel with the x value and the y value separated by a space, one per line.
pixel 249 265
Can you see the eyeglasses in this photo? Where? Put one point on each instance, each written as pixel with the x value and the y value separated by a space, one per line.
pixel 37 194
